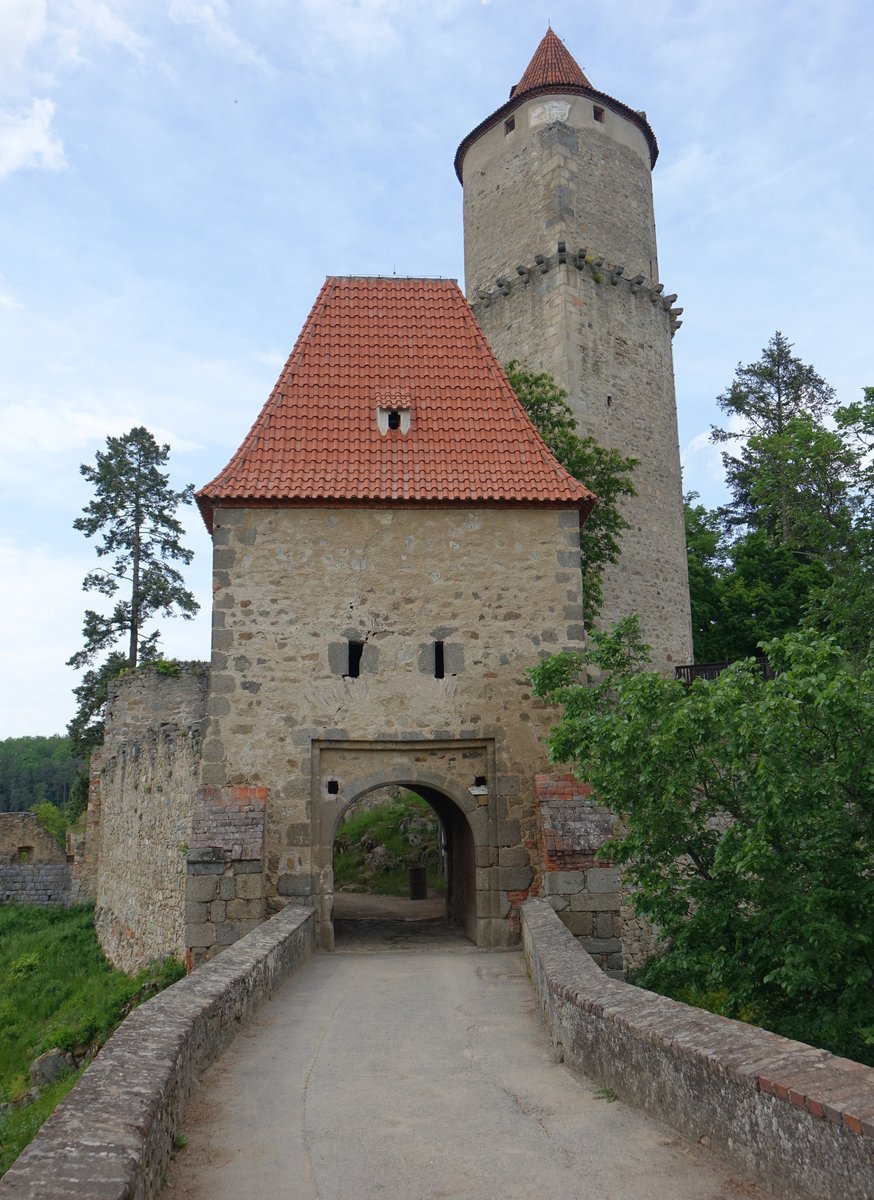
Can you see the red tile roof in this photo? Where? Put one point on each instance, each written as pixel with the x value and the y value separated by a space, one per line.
pixel 553 69
pixel 552 64
pixel 392 343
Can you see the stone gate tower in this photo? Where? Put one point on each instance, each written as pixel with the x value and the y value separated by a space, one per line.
pixel 562 272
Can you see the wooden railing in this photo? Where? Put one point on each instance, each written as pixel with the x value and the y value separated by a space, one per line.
pixel 690 673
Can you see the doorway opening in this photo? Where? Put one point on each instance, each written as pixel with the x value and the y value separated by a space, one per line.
pixel 403 870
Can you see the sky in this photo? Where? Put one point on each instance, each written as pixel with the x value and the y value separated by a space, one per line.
pixel 177 177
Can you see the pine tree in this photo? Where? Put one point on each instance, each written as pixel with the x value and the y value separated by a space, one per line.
pixel 134 514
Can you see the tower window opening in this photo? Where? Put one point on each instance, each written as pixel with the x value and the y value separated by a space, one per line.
pixel 439 661
pixel 355 651
pixel 394 419
pixel 609 401
pixel 598 114
pixel 509 125
pixel 333 787
pixel 480 781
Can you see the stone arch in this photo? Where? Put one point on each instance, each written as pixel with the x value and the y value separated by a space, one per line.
pixel 346 773
pixel 453 815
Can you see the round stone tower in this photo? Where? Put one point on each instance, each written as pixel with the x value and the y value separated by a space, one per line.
pixel 562 271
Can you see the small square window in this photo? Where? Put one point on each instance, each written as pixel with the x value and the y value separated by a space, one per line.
pixel 598 113
pixel 509 125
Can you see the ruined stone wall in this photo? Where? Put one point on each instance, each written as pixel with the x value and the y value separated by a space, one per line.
pixel 33 867
pixel 498 587
pixel 23 840
pixel 148 769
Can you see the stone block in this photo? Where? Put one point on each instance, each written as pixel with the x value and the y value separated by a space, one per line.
pixel 245 866
pixel 509 833
pixel 200 935
pixel 600 902
pixel 290 885
pixel 513 856
pixel 603 879
pixel 515 878
pixel 227 890
pixel 604 925
pixel 580 924
pixel 245 910
pixel 249 887
pixel 196 912
pixel 227 933
pixel 484 878
pixel 595 945
pixel 248 926
pixel 201 888
pixel 557 903
pixel 485 856
pixel 217 911
pixel 207 868
pixel 563 883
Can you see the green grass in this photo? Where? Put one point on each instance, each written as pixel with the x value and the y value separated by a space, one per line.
pixel 56 989
pixel 406 828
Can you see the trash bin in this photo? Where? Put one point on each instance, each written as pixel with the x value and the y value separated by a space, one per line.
pixel 418 883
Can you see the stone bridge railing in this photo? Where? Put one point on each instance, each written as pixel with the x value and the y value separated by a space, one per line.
pixel 111 1138
pixel 798 1119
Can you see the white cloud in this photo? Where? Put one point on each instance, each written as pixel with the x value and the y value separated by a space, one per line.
pixel 98 21
pixel 27 139
pixel 8 302
pixel 212 19
pixel 22 24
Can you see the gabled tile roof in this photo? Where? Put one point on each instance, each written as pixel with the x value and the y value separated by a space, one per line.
pixel 552 64
pixel 553 69
pixel 392 343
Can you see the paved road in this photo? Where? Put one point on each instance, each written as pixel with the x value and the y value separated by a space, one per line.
pixel 426 1074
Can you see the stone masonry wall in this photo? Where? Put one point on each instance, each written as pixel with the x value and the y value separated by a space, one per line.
pixel 148 766
pixel 23 840
pixel 33 867
pixel 581 887
pixel 800 1120
pixel 561 271
pixel 112 1137
pixel 497 586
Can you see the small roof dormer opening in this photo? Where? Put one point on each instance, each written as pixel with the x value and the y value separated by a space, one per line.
pixel 392 418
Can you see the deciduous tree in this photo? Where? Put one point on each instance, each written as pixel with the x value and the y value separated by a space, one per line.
pixel 605 472
pixel 747 812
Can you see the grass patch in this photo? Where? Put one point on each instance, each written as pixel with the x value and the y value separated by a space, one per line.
pixel 56 990
pixel 374 849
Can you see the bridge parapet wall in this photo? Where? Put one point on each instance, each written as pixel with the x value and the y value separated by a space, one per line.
pixel 797 1118
pixel 112 1136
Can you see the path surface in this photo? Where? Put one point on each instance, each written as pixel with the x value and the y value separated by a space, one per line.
pixel 426 1074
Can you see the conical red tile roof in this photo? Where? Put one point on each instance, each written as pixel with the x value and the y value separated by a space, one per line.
pixel 406 344
pixel 553 69
pixel 552 64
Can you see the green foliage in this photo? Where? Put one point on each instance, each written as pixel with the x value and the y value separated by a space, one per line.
pixel 375 848
pixel 795 544
pixel 747 812
pixel 53 821
pixel 134 513
pixel 36 769
pixel 605 472
pixel 57 990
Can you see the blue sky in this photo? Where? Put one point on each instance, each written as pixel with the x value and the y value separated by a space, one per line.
pixel 177 177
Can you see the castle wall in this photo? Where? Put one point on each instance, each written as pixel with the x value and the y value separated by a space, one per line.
pixel 497 586
pixel 147 783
